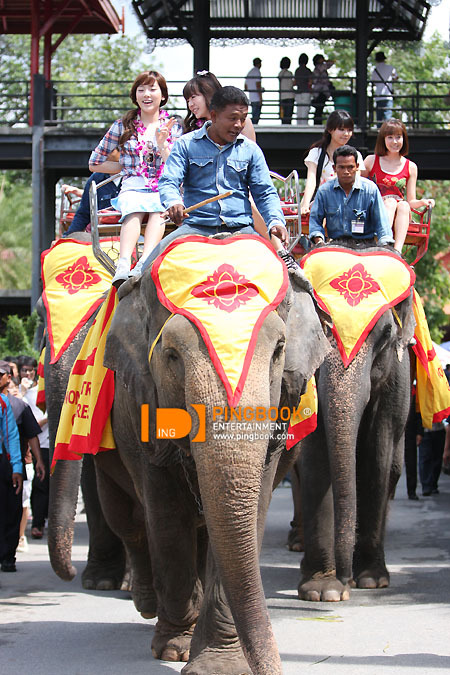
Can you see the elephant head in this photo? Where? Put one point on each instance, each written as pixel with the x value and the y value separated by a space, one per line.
pixel 234 476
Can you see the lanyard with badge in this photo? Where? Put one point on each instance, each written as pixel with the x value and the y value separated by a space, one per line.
pixel 358 222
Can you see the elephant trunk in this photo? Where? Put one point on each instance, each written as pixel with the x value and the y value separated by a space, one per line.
pixel 230 485
pixel 64 485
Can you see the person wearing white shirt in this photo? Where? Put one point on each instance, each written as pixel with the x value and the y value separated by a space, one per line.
pixel 254 89
pixel 383 76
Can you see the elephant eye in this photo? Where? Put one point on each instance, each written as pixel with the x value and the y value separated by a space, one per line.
pixel 170 354
pixel 279 350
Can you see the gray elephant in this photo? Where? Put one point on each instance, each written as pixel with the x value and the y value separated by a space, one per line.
pixel 201 496
pixel 350 465
pixel 106 557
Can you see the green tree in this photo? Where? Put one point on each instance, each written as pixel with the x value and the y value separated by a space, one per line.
pixel 19 336
pixel 15 233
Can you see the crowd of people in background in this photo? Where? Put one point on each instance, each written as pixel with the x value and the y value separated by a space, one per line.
pixel 313 88
pixel 24 460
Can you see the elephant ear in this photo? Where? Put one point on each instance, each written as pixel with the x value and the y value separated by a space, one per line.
pixel 306 343
pixel 406 323
pixel 127 344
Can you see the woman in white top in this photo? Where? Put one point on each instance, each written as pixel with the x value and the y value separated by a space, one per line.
pixel 338 132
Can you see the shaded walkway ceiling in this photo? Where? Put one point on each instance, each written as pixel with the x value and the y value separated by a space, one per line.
pixel 59 16
pixel 284 19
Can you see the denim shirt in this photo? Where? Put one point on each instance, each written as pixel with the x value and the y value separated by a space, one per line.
pixel 207 170
pixel 364 204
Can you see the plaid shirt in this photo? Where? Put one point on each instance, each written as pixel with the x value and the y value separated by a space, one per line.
pixel 129 156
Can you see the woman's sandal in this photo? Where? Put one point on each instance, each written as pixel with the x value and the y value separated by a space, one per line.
pixel 37 533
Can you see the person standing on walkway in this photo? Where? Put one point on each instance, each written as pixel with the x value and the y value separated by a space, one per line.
pixel 303 81
pixel 383 76
pixel 286 80
pixel 431 451
pixel 321 86
pixel 10 480
pixel 255 90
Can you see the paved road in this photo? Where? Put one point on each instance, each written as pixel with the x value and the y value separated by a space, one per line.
pixel 49 627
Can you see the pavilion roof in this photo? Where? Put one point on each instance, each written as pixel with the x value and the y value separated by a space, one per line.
pixel 61 16
pixel 248 20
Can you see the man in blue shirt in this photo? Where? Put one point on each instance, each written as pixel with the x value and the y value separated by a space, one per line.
pixel 352 206
pixel 10 480
pixel 213 160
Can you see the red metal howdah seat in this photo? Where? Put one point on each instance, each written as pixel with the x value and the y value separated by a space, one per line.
pixel 290 196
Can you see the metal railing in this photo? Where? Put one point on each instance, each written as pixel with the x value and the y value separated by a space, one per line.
pixel 94 103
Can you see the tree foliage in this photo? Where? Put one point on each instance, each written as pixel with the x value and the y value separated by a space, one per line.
pixel 15 233
pixel 19 336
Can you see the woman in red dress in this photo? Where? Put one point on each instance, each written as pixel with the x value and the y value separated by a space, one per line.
pixel 396 177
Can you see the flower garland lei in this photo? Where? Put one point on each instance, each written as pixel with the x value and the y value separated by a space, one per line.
pixel 142 148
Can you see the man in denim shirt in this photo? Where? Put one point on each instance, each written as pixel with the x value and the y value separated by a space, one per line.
pixel 213 160
pixel 351 205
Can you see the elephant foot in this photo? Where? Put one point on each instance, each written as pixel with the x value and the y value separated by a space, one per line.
pixel 372 578
pixel 295 540
pixel 94 579
pixel 223 662
pixel 170 644
pixel 144 599
pixel 323 588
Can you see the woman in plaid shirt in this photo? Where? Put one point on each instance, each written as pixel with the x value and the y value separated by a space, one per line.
pixel 144 137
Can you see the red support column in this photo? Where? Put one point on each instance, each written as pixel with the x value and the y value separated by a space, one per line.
pixel 34 61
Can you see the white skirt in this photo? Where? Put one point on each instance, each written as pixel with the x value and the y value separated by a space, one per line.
pixel 137 201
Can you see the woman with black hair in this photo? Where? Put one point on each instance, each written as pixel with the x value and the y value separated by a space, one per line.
pixel 319 161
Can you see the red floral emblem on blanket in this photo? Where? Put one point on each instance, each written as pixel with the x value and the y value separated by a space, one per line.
pixel 78 276
pixel 355 285
pixel 226 289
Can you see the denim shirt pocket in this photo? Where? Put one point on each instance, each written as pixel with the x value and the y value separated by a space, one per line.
pixel 335 224
pixel 201 170
pixel 236 172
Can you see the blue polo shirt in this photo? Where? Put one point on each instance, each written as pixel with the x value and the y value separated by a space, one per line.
pixel 9 435
pixel 363 205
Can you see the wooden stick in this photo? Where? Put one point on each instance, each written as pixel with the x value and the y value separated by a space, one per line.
pixel 197 206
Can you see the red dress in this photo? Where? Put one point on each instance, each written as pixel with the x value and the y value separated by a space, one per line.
pixel 390 184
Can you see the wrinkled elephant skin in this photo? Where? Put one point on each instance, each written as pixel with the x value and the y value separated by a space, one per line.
pixel 211 608
pixel 350 465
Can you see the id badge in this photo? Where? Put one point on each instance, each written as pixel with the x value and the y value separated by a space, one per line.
pixel 357 227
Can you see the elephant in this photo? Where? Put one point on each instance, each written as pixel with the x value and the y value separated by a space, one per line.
pixel 106 557
pixel 349 466
pixel 204 502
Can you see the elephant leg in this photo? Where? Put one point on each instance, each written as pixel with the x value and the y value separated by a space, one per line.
pixel 318 574
pixel 295 536
pixel 379 464
pixel 215 646
pixel 125 516
pixel 177 539
pixel 106 558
